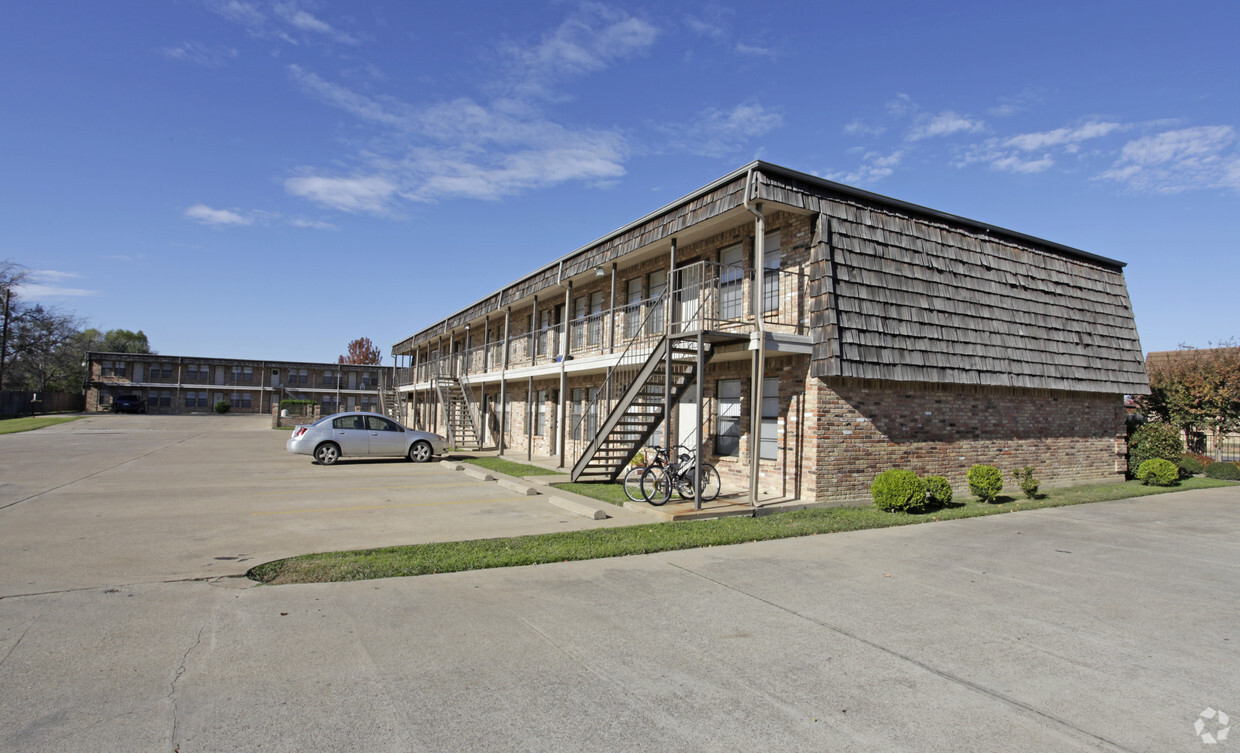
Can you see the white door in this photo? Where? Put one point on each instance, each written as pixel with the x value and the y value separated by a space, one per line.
pixel 689 295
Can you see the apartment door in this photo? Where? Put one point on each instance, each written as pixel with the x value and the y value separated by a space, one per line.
pixel 689 296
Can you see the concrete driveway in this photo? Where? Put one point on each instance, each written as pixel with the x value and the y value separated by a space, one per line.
pixel 117 499
pixel 1106 627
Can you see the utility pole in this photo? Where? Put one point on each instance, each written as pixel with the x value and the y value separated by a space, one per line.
pixel 4 335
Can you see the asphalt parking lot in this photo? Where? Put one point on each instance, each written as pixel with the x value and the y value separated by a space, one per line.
pixel 1105 627
pixel 119 499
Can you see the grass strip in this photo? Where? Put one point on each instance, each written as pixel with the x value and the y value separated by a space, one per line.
pixel 599 543
pixel 30 423
pixel 499 465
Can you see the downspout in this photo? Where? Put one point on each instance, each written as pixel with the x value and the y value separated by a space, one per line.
pixel 759 357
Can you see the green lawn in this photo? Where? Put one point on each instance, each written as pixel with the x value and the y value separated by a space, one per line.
pixel 423 559
pixel 509 468
pixel 30 423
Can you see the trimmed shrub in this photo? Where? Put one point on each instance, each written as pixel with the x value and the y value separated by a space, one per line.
pixel 1154 440
pixel 938 490
pixel 1224 471
pixel 1159 472
pixel 897 490
pixel 1191 466
pixel 1205 460
pixel 1028 483
pixel 222 407
pixel 985 482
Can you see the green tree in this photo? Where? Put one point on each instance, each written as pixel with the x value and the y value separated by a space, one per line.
pixel 124 341
pixel 1197 390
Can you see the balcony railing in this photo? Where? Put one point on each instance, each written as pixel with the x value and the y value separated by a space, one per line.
pixel 704 296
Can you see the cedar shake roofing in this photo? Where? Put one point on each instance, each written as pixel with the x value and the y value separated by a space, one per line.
pixel 905 293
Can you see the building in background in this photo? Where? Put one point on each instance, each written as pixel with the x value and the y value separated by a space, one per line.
pixel 183 384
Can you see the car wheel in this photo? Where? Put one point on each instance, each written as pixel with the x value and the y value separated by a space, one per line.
pixel 420 452
pixel 327 453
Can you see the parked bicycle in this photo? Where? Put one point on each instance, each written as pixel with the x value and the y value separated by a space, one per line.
pixel 633 477
pixel 657 483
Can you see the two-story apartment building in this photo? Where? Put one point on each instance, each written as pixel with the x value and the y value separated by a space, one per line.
pixel 182 384
pixel 803 335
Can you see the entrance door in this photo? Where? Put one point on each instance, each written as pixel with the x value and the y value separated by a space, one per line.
pixel 689 295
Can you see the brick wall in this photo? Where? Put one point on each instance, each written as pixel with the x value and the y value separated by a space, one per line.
pixel 863 428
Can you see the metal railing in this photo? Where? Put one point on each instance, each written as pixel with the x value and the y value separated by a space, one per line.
pixel 702 295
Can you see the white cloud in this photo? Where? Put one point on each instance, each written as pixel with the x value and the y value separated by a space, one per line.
pixel 1067 137
pixel 1179 160
pixel 285 20
pixel 366 108
pixel 861 128
pixel 216 217
pixel 945 123
pixel 875 166
pixel 200 54
pixel 1036 151
pixel 41 285
pixel 357 194
pixel 589 40
pixel 720 133
pixel 312 224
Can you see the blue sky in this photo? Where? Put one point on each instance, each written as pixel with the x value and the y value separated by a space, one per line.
pixel 273 178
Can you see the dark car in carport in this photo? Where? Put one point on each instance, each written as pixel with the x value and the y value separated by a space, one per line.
pixel 128 404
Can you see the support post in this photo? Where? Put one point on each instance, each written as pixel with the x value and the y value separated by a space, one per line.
pixel 701 420
pixel 562 409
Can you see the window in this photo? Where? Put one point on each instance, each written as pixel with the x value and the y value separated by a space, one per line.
pixel 657 286
pixel 195 399
pixel 633 307
pixel 247 374
pixel 165 398
pixel 240 400
pixel 328 403
pixel 112 368
pixel 728 408
pixel 579 325
pixel 540 414
pixel 349 422
pixel 198 373
pixel 769 448
pixel 731 282
pixel 508 412
pixel 330 379
pixel 594 328
pixel 592 414
pixel 378 423
pixel 576 405
pixel 770 282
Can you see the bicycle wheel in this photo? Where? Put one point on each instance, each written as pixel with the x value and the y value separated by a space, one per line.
pixel 633 483
pixel 710 482
pixel 656 486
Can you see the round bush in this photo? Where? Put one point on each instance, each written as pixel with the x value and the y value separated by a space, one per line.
pixel 222 407
pixel 1191 466
pixel 897 490
pixel 985 482
pixel 938 490
pixel 1159 472
pixel 1154 440
pixel 1225 471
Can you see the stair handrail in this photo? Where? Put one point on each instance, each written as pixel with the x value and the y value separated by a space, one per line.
pixel 608 386
pixel 470 411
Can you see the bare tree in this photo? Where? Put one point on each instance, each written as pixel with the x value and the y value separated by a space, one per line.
pixel 12 275
pixel 47 351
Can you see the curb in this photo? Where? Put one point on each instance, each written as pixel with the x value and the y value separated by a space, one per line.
pixel 583 506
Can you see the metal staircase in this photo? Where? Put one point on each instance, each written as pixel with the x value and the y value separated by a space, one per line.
pixel 458 413
pixel 664 377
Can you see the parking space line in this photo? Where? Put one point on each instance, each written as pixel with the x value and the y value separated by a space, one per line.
pixel 362 489
pixel 390 507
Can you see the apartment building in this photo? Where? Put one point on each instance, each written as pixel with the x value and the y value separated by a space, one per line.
pixel 179 384
pixel 803 336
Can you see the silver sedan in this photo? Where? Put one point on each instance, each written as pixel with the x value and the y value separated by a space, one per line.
pixel 363 435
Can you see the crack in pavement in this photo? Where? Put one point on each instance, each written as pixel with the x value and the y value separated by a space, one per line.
pixel 965 683
pixel 208 579
pixel 96 473
pixel 180 670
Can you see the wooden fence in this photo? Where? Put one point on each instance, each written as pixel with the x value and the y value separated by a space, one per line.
pixel 28 403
